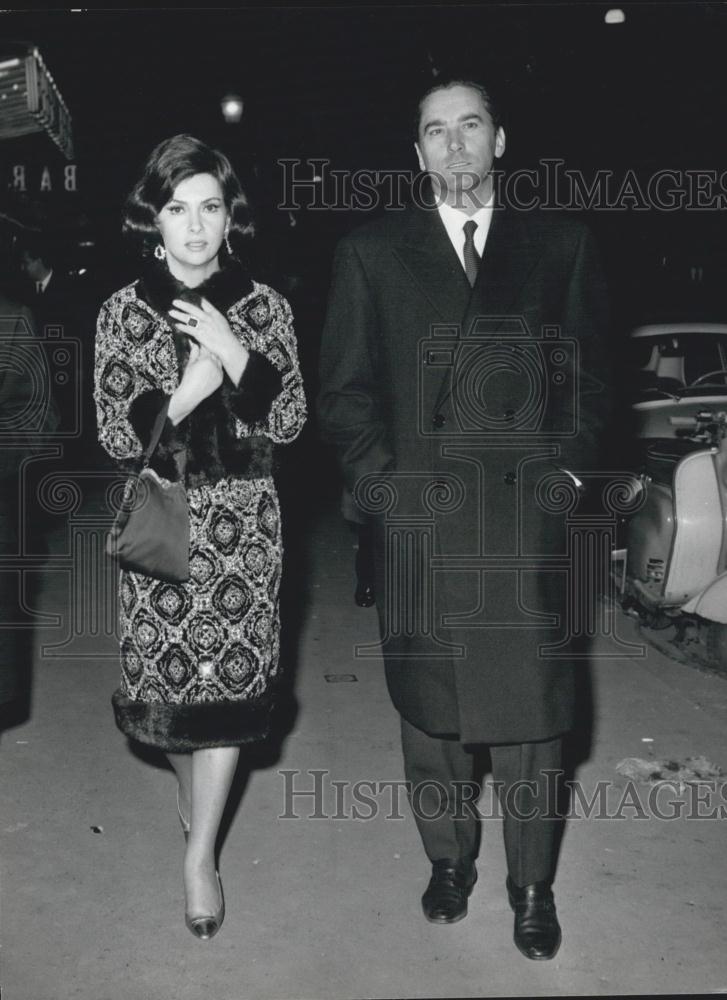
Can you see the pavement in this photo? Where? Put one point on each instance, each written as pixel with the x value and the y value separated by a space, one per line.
pixel 323 890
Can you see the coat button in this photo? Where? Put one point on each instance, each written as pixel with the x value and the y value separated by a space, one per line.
pixel 510 478
pixel 438 420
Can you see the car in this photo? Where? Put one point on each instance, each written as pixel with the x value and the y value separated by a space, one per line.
pixel 675 370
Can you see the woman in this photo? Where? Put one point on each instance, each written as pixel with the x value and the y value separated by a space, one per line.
pixel 196 344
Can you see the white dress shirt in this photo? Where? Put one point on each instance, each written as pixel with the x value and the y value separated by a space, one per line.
pixel 454 221
pixel 40 286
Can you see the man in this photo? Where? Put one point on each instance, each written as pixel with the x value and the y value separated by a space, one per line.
pixel 51 293
pixel 460 369
pixel 36 262
pixel 61 306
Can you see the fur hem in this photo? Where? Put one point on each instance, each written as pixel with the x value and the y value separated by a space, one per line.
pixel 183 728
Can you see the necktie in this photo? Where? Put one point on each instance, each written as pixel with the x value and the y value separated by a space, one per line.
pixel 471 257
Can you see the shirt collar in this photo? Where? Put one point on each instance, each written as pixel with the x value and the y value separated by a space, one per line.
pixel 454 220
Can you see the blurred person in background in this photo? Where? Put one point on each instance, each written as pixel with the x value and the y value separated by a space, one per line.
pixel 63 307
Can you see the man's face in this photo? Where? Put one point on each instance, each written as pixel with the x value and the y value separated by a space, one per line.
pixel 33 267
pixel 458 144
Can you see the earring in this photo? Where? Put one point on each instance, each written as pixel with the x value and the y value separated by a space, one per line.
pixel 227 242
pixel 159 252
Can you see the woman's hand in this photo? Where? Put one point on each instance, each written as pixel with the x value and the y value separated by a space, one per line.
pixel 201 377
pixel 210 329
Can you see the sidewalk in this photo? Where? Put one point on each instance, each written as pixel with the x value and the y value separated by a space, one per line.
pixel 92 900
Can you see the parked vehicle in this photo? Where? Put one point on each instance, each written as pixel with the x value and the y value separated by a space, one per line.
pixel 675 370
pixel 673 568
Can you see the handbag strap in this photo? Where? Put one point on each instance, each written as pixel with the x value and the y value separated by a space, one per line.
pixel 155 435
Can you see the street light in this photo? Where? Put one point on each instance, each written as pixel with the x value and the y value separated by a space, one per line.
pixel 232 108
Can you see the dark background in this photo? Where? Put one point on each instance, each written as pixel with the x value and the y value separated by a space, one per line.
pixel 338 83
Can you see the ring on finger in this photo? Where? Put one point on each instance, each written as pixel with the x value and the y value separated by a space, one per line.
pixel 192 322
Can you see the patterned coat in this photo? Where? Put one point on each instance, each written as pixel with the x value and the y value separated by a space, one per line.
pixel 198 659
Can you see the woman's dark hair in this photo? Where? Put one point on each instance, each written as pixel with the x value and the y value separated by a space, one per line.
pixel 174 161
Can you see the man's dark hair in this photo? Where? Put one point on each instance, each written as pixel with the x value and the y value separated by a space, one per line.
pixel 40 245
pixel 485 92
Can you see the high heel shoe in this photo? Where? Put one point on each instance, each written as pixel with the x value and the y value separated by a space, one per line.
pixel 205 927
pixel 185 822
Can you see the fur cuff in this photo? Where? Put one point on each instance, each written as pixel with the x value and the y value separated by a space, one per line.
pixel 259 384
pixel 143 414
pixel 183 728
pixel 145 410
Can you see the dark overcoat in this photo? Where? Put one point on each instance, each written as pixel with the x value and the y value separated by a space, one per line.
pixel 454 412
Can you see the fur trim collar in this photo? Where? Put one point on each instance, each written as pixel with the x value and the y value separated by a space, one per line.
pixel 158 286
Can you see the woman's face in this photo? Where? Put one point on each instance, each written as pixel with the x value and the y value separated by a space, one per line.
pixel 192 227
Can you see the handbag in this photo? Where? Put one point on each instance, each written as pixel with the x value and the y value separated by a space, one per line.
pixel 150 534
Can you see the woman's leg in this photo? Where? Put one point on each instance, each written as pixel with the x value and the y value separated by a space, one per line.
pixel 182 764
pixel 212 773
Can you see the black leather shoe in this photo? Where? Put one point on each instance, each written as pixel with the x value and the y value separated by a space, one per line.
pixel 364 595
pixel 537 931
pixel 445 901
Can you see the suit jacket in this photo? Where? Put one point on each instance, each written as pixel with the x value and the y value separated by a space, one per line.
pixel 452 411
pixel 67 306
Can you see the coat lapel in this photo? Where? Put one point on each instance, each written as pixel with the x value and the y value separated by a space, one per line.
pixel 428 255
pixel 510 256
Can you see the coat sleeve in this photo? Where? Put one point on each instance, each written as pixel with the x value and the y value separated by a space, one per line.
pixel 128 402
pixel 349 402
pixel 269 398
pixel 586 322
